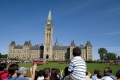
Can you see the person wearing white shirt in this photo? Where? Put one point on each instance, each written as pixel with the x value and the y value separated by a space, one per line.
pixel 106 78
pixel 108 73
pixel 77 66
pixel 41 77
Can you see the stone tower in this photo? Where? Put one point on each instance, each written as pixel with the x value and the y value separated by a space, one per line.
pixel 88 51
pixel 72 45
pixel 48 37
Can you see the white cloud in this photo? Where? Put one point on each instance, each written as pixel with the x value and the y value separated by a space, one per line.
pixel 7 25
pixel 110 10
pixel 77 7
pixel 112 33
pixel 74 9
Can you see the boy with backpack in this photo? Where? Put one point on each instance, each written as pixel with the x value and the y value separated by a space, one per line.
pixel 3 71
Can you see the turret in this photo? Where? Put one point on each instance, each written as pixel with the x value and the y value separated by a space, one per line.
pixel 56 43
pixel 72 44
pixel 88 43
pixel 81 44
pixel 13 43
pixel 88 50
pixel 26 43
pixel 11 48
pixel 29 43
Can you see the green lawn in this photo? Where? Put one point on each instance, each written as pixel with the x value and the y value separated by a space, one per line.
pixel 90 66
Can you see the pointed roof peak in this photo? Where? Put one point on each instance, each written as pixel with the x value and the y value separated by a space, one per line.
pixel 56 43
pixel 81 44
pixel 72 43
pixel 56 40
pixel 88 43
pixel 49 16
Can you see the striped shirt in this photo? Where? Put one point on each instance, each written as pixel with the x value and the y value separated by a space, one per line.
pixel 77 68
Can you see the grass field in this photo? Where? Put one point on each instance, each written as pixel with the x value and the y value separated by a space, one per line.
pixel 90 66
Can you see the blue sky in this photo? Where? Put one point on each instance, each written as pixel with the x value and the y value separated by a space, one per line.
pixel 97 21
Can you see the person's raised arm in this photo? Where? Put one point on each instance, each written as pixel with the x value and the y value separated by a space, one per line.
pixel 33 72
pixel 88 76
pixel 61 73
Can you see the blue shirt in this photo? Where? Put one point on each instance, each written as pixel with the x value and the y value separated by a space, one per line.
pixel 18 78
pixel 12 78
pixel 94 77
pixel 113 77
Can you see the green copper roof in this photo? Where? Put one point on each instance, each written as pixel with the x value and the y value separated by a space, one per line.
pixel 49 16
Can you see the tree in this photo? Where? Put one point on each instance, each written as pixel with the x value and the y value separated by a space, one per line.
pixel 118 58
pixel 3 55
pixel 0 55
pixel 110 56
pixel 102 52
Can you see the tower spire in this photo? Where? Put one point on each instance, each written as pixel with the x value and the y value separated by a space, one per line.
pixel 49 16
pixel 56 40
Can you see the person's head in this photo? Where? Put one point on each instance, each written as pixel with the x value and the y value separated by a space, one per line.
pixel 69 77
pixel 46 72
pixel 36 75
pixel 96 71
pixel 40 73
pixel 99 75
pixel 76 51
pixel 118 74
pixel 23 70
pixel 3 66
pixel 13 69
pixel 57 71
pixel 66 72
pixel 107 71
pixel 53 74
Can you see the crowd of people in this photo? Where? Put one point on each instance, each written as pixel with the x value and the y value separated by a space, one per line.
pixel 75 71
pixel 8 61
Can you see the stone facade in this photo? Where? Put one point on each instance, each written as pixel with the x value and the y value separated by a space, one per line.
pixel 56 52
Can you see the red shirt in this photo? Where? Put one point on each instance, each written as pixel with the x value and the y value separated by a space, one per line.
pixel 4 75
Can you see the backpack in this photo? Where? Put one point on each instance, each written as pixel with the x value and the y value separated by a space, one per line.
pixel 1 75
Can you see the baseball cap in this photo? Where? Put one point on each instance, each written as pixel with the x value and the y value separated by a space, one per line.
pixel 22 69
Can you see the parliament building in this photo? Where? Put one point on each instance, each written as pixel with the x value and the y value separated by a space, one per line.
pixel 55 52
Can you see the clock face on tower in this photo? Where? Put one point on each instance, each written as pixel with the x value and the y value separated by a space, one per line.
pixel 48 22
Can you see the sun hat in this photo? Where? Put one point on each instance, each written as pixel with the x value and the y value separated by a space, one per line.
pixel 22 69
